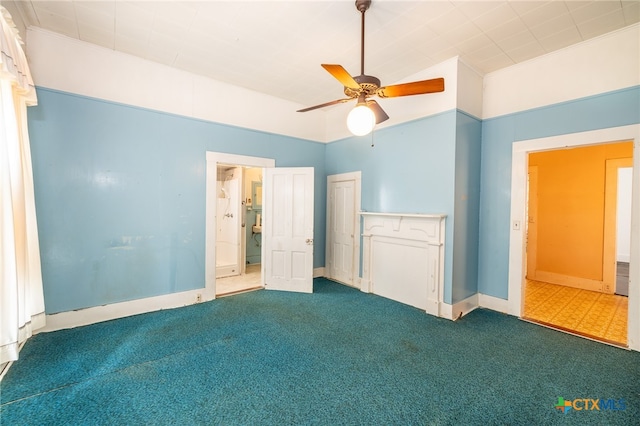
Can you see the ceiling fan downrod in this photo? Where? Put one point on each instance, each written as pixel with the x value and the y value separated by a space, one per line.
pixel 362 6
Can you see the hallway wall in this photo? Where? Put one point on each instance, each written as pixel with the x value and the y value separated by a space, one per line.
pixel 571 211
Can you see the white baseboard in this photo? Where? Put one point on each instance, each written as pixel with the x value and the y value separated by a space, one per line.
pixel 96 314
pixel 493 303
pixel 624 258
pixel 459 309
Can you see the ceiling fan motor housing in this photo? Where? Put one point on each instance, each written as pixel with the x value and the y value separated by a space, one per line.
pixel 369 85
pixel 363 5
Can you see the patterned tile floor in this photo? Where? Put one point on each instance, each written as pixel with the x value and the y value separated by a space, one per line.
pixel 589 313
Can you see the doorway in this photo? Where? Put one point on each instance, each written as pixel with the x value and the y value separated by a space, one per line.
pixel 517 235
pixel 239 230
pixel 571 240
pixel 287 225
pixel 240 280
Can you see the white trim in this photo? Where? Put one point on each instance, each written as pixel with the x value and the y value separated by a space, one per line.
pixel 517 251
pixel 493 303
pixel 401 215
pixel 113 311
pixel 80 317
pixel 213 159
pixel 63 63
pixel 459 309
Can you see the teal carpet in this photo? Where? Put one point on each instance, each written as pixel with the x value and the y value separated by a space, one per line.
pixel 335 357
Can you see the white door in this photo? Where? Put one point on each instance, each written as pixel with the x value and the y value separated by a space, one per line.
pixel 287 228
pixel 341 229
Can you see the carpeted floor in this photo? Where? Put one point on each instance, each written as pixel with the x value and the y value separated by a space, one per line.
pixel 337 356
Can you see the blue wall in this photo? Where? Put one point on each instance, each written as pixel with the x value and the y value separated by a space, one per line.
pixel 466 207
pixel 120 191
pixel 618 108
pixel 120 196
pixel 410 169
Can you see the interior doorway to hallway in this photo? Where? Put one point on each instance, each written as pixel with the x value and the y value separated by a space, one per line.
pixel 518 238
pixel 571 245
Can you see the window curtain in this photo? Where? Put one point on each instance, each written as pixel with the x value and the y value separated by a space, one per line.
pixel 21 294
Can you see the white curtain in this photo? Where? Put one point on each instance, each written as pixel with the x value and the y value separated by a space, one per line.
pixel 21 295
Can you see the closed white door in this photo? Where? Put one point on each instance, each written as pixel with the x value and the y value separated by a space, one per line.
pixel 341 214
pixel 287 227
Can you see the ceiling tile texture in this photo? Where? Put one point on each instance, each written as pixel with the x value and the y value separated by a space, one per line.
pixel 276 47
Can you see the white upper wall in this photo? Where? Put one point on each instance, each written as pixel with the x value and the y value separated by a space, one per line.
pixel 600 65
pixel 66 64
pixel 470 90
pixel 603 64
pixel 62 63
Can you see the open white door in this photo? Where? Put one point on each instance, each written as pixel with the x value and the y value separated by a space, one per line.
pixel 287 228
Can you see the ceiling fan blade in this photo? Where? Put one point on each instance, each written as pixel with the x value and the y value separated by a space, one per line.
pixel 415 88
pixel 377 111
pixel 341 75
pixel 337 101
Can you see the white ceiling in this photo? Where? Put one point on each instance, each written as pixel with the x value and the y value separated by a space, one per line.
pixel 276 47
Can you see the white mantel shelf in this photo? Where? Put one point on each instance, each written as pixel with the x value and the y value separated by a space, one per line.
pixel 426 216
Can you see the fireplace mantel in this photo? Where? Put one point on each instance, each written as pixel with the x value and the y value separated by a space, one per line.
pixel 404 258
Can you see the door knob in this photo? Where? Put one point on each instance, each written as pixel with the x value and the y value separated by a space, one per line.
pixel 309 241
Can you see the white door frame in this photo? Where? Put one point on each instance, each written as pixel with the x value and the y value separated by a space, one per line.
pixel 213 159
pixel 517 239
pixel 357 177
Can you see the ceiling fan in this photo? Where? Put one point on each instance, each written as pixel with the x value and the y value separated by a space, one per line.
pixel 368 112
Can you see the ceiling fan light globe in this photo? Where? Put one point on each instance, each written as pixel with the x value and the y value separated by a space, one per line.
pixel 361 120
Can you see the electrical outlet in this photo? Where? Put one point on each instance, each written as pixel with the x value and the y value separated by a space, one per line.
pixel 199 298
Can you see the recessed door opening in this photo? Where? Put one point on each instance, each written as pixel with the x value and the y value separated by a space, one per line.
pixel 238 226
pixel 574 230
pixel 273 224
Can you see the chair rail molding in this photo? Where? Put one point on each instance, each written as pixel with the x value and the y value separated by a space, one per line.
pixel 403 258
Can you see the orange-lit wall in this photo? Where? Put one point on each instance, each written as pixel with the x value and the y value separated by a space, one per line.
pixel 570 210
